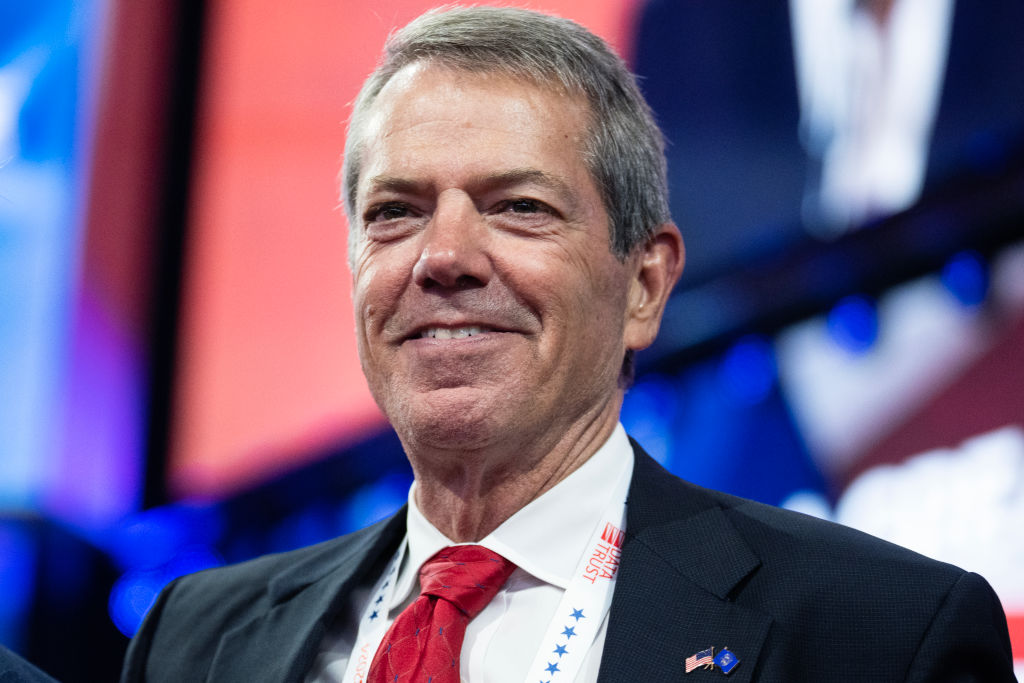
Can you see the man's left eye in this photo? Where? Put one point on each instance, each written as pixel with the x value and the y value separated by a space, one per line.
pixel 522 206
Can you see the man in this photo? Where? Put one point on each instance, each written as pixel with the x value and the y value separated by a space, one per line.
pixel 511 249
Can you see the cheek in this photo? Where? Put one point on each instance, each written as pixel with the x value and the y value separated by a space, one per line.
pixel 600 285
pixel 602 317
pixel 377 286
pixel 578 288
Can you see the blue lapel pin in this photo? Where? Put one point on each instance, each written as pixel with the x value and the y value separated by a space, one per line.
pixel 726 660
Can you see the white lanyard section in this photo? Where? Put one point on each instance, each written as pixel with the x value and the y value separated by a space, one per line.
pixel 586 601
pixel 373 624
pixel 576 621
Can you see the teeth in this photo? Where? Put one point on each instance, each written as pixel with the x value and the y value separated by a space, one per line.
pixel 446 333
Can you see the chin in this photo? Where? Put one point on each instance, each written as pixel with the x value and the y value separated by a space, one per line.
pixel 452 419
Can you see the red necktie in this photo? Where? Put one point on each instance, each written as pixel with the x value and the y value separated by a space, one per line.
pixel 424 643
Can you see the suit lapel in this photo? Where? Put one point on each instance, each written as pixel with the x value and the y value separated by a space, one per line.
pixel 281 643
pixel 681 562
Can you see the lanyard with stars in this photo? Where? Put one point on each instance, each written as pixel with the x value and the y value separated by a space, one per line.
pixel 373 624
pixel 586 601
pixel 572 629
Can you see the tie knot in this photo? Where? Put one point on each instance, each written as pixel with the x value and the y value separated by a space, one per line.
pixel 467 576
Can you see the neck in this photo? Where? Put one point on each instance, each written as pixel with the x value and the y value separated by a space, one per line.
pixel 468 494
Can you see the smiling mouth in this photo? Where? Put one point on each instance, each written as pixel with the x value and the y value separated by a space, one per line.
pixel 452 332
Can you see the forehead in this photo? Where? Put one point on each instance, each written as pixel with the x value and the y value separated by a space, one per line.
pixel 433 75
pixel 471 117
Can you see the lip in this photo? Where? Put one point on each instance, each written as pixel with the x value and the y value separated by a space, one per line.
pixel 485 330
pixel 446 333
pixel 476 341
pixel 432 350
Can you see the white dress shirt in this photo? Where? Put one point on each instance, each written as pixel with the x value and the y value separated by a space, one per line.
pixel 546 540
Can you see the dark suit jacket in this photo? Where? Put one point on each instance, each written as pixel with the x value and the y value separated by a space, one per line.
pixel 14 669
pixel 795 598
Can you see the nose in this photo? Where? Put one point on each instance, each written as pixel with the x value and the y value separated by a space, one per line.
pixel 453 246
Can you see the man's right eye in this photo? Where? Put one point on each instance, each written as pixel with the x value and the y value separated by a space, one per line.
pixel 386 212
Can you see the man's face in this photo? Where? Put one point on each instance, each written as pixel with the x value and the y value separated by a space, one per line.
pixel 490 311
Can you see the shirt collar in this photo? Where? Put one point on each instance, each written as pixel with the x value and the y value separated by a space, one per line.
pixel 530 538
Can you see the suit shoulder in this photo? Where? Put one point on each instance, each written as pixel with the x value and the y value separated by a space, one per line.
pixel 814 572
pixel 245 584
pixel 830 586
pixel 14 669
pixel 182 631
pixel 784 541
pixel 779 534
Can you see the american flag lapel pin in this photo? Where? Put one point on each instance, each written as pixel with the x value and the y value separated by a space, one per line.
pixel 704 658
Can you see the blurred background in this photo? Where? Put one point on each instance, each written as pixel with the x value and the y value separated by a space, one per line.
pixel 179 385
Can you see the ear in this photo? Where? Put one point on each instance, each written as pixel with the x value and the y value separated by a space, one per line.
pixel 658 265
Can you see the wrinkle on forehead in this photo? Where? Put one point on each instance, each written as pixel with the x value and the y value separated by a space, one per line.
pixel 457 86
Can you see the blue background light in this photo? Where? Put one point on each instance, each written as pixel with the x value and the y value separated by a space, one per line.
pixel 747 371
pixel 374 501
pixel 853 323
pixel 966 278
pixel 648 413
pixel 17 579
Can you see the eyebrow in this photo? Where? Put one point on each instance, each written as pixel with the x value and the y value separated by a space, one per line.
pixel 517 176
pixel 483 182
pixel 386 183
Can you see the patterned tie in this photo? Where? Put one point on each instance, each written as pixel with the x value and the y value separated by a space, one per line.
pixel 424 643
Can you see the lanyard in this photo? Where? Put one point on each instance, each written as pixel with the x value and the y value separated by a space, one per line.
pixel 373 623
pixel 576 620
pixel 588 598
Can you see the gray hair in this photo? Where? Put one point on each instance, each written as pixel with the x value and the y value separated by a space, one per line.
pixel 623 150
